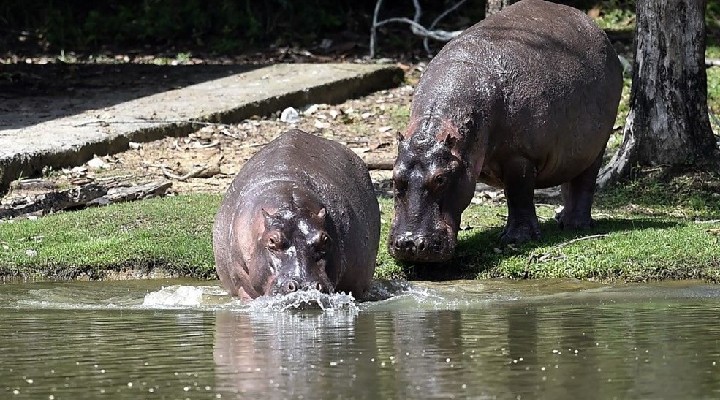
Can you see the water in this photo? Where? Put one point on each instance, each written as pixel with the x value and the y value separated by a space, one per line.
pixel 480 340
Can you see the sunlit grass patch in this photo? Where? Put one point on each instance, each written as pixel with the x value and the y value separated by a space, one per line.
pixel 172 233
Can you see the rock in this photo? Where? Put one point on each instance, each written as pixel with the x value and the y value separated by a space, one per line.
pixel 97 163
pixel 290 115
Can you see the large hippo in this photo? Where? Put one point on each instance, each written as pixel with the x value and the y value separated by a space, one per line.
pixel 301 214
pixel 524 99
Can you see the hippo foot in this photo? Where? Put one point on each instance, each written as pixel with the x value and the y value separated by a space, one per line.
pixel 517 234
pixel 573 222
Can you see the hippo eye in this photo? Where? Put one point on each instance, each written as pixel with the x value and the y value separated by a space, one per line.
pixel 321 245
pixel 322 241
pixel 274 242
pixel 400 186
pixel 439 181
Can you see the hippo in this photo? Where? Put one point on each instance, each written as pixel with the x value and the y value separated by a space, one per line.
pixel 300 214
pixel 525 99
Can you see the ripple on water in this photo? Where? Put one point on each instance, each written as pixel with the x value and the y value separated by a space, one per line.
pixel 395 295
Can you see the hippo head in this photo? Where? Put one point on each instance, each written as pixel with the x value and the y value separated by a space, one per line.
pixel 433 183
pixel 297 250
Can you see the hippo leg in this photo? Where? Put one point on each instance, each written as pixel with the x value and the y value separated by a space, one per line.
pixel 519 181
pixel 578 198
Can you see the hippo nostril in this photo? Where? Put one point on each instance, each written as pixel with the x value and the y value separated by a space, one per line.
pixel 291 286
pixel 421 243
pixel 409 244
pixel 397 244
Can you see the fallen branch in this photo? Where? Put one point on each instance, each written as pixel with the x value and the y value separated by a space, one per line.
pixel 207 146
pixel 380 165
pixel 205 171
pixel 88 195
pixel 251 145
pixel 569 242
pixel 131 193
pixel 538 258
pixel 151 121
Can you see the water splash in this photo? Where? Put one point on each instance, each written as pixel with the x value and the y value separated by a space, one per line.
pixel 305 300
pixel 386 289
pixel 215 298
pixel 174 296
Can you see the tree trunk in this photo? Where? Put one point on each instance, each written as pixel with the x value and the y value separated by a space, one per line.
pixel 668 124
pixel 494 6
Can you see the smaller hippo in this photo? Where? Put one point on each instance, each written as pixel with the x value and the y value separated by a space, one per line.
pixel 525 99
pixel 301 214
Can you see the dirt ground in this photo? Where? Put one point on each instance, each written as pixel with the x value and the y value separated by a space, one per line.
pixel 208 159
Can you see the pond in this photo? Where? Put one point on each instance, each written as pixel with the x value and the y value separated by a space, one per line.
pixel 175 339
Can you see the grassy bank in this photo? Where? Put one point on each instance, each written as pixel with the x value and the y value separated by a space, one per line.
pixel 643 232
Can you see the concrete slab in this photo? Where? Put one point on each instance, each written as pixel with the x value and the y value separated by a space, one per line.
pixel 59 131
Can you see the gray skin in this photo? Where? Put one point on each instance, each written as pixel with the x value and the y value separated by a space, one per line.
pixel 301 214
pixel 525 99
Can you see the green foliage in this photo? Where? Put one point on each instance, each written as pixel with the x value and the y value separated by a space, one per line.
pixel 712 14
pixel 713 88
pixel 623 110
pixel 223 25
pixel 616 15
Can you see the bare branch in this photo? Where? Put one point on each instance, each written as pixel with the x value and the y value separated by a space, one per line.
pixel 415 26
pixel 454 7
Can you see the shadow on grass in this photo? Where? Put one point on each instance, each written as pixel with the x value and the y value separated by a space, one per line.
pixel 480 251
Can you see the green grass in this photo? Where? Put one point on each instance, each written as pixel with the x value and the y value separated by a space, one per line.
pixel 713 90
pixel 171 233
pixel 643 232
pixel 616 15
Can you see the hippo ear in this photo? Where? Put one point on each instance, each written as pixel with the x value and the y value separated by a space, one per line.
pixel 400 137
pixel 267 216
pixel 321 213
pixel 451 141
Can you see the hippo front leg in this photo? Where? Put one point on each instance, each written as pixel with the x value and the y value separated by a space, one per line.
pixel 519 181
pixel 578 197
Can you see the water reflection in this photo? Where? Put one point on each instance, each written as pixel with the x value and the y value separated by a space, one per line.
pixel 662 349
pixel 439 341
pixel 81 354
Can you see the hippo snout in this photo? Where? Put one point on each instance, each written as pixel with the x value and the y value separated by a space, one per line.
pixel 419 248
pixel 290 285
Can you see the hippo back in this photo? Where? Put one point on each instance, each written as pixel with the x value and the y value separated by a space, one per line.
pixel 538 75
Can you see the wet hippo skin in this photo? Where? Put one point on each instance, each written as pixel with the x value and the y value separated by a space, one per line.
pixel 524 99
pixel 301 214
